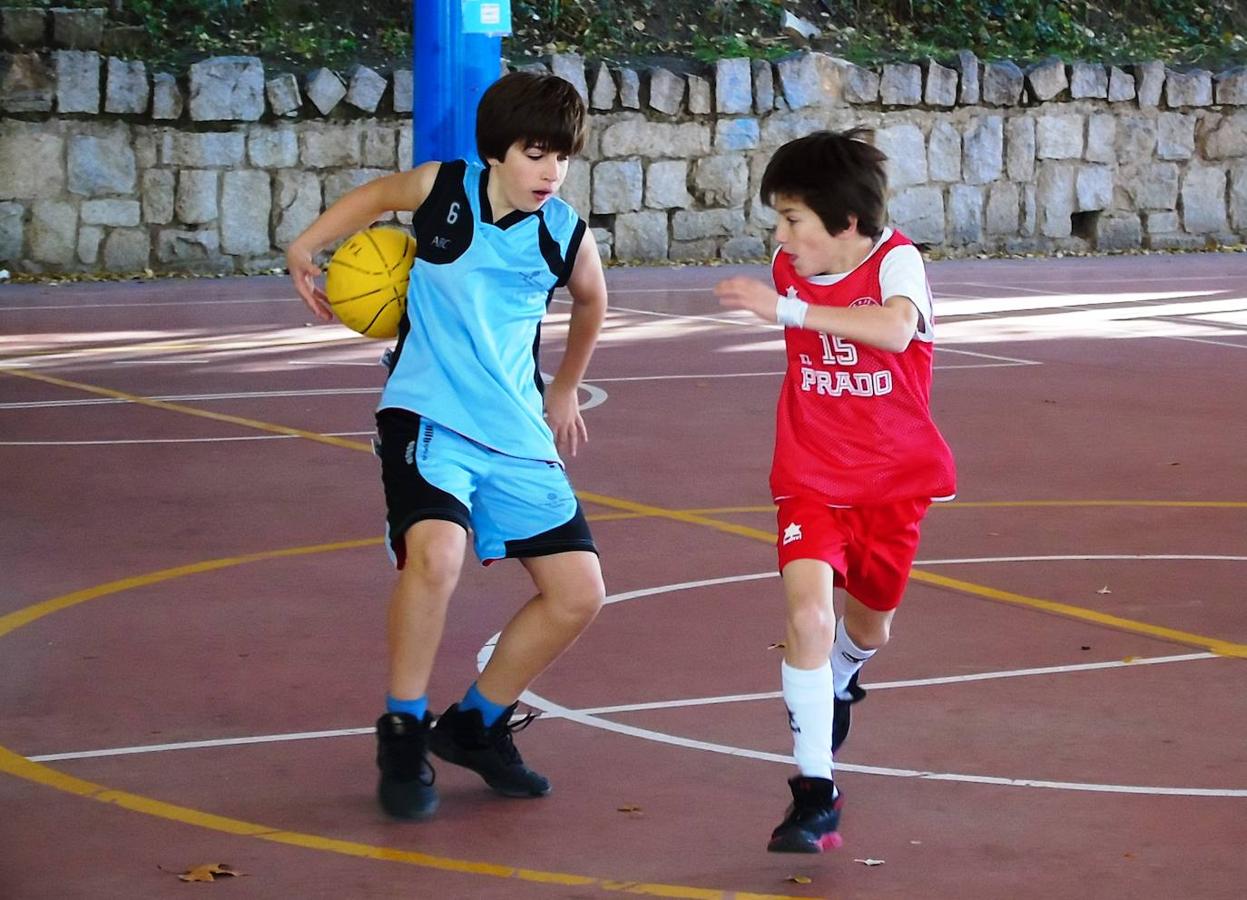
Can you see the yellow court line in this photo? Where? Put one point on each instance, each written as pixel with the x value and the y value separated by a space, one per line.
pixel 189 410
pixel 1213 645
pixel 21 767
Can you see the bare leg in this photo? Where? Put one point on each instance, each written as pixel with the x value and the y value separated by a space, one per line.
pixel 868 628
pixel 569 594
pixel 811 616
pixel 417 614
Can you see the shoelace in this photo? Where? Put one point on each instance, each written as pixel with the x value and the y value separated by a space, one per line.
pixel 501 734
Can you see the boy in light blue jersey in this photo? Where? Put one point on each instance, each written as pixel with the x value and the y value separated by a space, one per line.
pixel 469 434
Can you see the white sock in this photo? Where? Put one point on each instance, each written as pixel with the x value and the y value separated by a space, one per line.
pixel 846 658
pixel 807 693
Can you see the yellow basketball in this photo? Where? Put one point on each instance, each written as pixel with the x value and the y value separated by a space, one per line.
pixel 366 280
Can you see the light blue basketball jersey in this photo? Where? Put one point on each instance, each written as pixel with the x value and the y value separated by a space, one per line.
pixel 467 354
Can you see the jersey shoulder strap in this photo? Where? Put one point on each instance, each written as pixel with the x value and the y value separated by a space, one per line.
pixel 443 225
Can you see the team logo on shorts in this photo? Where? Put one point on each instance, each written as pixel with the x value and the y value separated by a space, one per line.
pixel 792 533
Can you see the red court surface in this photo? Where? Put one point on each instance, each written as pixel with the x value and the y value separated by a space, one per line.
pixel 192 607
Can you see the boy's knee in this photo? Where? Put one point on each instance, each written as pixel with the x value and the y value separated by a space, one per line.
pixel 811 616
pixel 435 562
pixel 870 635
pixel 579 598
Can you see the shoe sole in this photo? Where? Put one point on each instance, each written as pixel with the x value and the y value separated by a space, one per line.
pixel 791 844
pixel 449 755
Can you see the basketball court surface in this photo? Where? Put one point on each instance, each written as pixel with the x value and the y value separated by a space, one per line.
pixel 192 606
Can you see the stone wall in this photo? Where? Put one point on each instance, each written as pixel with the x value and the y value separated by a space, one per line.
pixel 107 165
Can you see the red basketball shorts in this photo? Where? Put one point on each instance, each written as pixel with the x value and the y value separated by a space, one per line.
pixel 871 548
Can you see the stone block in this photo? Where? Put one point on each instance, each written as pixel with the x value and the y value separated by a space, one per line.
pixel 1047 80
pixel 571 68
pixel 325 89
pixel 941 89
pixel 1120 85
pixel 641 236
pixel 167 100
pixel 968 66
pixel 1002 83
pixel 23 26
pixel 284 98
pixel 128 91
pixel 1231 86
pixel 404 91
pixel 227 88
pixel 666 91
pixel 365 90
pixel 77 81
pixel 861 85
pixel 721 180
pixel 602 96
pixel 811 79
pixel 196 199
pixel 77 29
pixel 666 185
pixel 1193 88
pixel 26 84
pixel 733 86
pixel 900 85
pixel 102 164
pixel 617 186
pixel 1088 81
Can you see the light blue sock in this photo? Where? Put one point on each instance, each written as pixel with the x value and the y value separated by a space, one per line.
pixel 474 699
pixel 418 707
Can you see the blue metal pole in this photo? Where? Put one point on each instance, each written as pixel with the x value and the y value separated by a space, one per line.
pixel 454 59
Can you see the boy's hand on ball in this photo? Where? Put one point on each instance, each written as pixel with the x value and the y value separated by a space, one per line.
pixel 748 294
pixel 304 272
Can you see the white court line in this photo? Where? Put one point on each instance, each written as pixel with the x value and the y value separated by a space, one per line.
pixel 589 718
pixel 1174 337
pixel 77 306
pixel 558 712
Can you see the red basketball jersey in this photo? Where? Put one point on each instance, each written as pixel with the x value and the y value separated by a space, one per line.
pixel 853 422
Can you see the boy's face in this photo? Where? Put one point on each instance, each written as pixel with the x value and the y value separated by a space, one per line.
pixel 811 248
pixel 529 176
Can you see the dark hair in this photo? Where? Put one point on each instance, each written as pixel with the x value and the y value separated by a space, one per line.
pixel 834 173
pixel 541 110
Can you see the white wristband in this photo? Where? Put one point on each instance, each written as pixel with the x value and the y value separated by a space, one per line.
pixel 790 311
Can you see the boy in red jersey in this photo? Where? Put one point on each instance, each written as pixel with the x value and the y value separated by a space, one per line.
pixel 857 457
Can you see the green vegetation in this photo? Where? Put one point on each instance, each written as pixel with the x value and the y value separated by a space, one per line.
pixel 1211 33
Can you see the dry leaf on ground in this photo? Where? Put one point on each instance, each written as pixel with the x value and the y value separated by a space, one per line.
pixel 208 872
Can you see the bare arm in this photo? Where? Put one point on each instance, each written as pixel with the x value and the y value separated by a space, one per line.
pixel 888 327
pixel 587 286
pixel 355 210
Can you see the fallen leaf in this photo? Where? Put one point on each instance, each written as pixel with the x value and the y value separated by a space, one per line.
pixel 628 809
pixel 207 871
pixel 799 879
pixel 869 862
pixel 1129 658
pixel 1104 590
pixel 1086 646
pixel 778 645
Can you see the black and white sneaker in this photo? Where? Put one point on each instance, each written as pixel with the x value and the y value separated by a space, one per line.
pixel 406 788
pixel 460 737
pixel 842 711
pixel 812 821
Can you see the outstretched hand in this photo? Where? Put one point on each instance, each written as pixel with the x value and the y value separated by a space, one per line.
pixel 748 294
pixel 304 272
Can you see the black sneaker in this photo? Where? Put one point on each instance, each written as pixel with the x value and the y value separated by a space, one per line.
pixel 811 821
pixel 842 712
pixel 460 737
pixel 406 788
